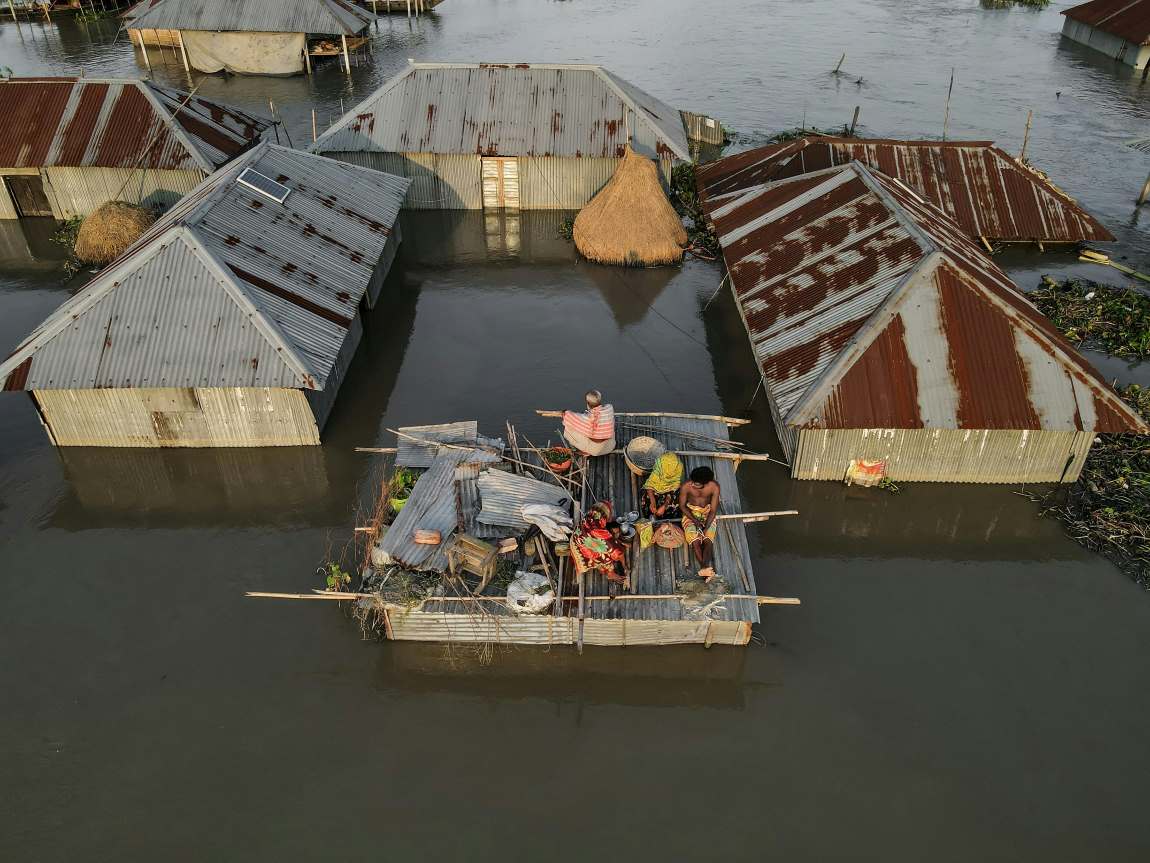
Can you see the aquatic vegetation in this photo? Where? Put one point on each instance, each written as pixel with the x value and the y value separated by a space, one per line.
pixel 1108 509
pixel 1006 4
pixel 685 197
pixel 335 577
pixel 1093 315
pixel 798 132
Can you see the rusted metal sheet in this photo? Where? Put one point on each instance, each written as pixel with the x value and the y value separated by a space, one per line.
pixel 265 16
pixel 867 307
pixel 509 110
pixel 977 184
pixel 229 287
pixel 78 191
pixel 118 123
pixel 1127 19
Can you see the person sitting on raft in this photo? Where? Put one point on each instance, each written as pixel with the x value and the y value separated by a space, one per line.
pixel 660 498
pixel 598 544
pixel 699 500
pixel 593 431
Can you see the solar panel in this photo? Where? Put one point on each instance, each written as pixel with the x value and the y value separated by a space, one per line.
pixel 265 185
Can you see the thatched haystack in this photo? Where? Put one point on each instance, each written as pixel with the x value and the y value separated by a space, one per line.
pixel 631 222
pixel 109 230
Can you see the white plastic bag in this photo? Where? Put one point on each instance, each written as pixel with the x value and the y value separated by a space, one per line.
pixel 526 594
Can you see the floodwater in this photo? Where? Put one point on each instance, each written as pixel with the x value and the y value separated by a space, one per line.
pixel 962 682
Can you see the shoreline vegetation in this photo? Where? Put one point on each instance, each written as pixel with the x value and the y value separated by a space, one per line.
pixel 1108 509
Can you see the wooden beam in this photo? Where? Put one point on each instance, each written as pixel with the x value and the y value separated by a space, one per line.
pixel 731 421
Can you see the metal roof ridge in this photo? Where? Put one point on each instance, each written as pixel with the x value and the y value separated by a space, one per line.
pixel 864 336
pixel 76 306
pixel 222 128
pixel 866 174
pixel 261 320
pixel 607 77
pixel 174 125
pixel 371 98
pixel 733 200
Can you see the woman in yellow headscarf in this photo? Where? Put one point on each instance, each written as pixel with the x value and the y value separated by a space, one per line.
pixel 661 490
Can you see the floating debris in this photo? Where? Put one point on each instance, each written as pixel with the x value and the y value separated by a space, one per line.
pixel 1096 315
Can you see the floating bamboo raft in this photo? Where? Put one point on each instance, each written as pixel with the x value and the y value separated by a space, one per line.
pixel 476 486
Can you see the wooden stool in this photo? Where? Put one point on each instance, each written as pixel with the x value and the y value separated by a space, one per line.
pixel 468 554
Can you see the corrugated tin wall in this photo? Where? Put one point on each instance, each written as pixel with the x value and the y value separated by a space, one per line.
pixel 179 417
pixel 78 191
pixel 945 455
pixel 390 249
pixel 454 182
pixel 7 208
pixel 700 127
pixel 561 184
pixel 322 401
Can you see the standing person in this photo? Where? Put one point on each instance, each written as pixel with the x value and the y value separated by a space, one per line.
pixel 592 432
pixel 699 500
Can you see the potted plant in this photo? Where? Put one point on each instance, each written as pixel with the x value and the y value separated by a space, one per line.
pixel 401 485
pixel 557 458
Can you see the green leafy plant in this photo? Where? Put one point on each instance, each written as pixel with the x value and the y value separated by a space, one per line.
pixel 1094 315
pixel 335 577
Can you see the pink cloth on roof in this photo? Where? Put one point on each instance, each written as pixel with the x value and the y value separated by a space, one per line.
pixel 597 424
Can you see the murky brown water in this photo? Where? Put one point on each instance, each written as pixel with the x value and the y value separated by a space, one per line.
pixel 961 683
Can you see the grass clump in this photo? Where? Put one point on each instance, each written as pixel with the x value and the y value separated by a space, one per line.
pixel 1093 315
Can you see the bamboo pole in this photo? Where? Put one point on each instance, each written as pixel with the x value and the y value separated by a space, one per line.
pixel 1144 195
pixel 745 517
pixel 183 51
pixel 731 421
pixel 338 596
pixel 144 50
pixel 946 115
pixel 12 7
pixel 1026 135
pixel 313 130
pixel 307 59
pixel 346 56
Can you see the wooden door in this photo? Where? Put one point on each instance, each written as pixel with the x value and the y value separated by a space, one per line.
pixel 500 183
pixel 28 195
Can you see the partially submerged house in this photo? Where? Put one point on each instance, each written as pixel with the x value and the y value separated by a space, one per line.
pixel 72 144
pixel 253 37
pixel 884 334
pixel 160 38
pixel 491 136
pixel 231 322
pixel 988 192
pixel 1118 28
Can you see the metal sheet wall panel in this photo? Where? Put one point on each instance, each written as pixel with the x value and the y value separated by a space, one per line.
pixel 7 207
pixel 1128 19
pixel 203 417
pixel 322 401
pixel 945 455
pixel 562 184
pixel 78 191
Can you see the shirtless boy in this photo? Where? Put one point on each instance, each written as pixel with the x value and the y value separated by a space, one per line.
pixel 699 501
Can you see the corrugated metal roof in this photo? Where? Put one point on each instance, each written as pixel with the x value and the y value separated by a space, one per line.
pixel 422 452
pixel 118 123
pixel 508 110
pixel 503 495
pixel 984 189
pixel 267 16
pixel 1142 145
pixel 868 307
pixel 1128 19
pixel 228 288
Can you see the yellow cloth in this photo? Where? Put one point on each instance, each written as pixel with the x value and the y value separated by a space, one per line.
pixel 667 474
pixel 691 530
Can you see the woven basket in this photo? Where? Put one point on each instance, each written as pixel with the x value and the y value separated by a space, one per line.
pixel 641 454
pixel 669 535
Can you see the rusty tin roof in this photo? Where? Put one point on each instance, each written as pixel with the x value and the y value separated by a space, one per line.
pixel 118 123
pixel 509 109
pixel 977 184
pixel 868 307
pixel 228 288
pixel 1128 19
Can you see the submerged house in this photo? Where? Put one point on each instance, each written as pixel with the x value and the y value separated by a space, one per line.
pixel 1118 28
pixel 252 37
pixel 883 333
pixel 988 192
pixel 72 144
pixel 490 136
pixel 231 322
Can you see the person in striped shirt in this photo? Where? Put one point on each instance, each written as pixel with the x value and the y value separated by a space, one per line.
pixel 592 432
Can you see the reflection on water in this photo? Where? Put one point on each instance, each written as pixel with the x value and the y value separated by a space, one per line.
pixel 26 244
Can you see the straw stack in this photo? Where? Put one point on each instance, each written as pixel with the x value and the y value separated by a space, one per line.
pixel 631 222
pixel 109 230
